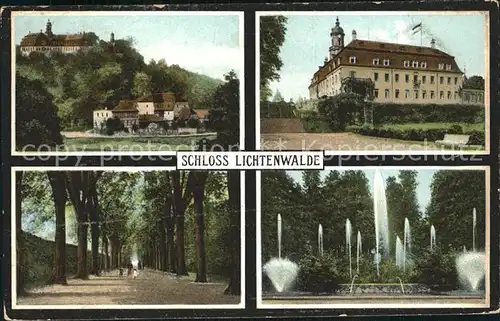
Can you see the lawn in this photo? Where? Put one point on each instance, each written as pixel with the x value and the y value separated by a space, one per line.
pixel 465 126
pixel 133 144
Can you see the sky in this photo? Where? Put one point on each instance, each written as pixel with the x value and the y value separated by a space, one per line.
pixel 203 44
pixel 424 179
pixel 308 38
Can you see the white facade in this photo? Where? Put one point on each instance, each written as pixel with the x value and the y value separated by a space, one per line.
pixel 168 115
pixel 145 108
pixel 25 51
pixel 100 117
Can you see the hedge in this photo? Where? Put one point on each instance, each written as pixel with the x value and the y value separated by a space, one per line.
pixel 418 134
pixel 432 113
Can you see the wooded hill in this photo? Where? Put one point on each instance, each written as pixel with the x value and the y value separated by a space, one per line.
pixel 106 74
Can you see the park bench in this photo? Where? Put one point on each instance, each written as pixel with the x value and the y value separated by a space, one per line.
pixel 454 140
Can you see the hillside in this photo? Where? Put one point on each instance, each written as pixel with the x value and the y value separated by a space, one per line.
pixel 106 74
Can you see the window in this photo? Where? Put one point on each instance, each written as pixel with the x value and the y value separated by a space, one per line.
pixel 415 79
pixel 375 93
pixel 441 66
pixel 424 93
pixel 396 93
pixel 414 64
pixel 441 80
pixel 97 114
pixel 432 79
pixel 456 80
pixel 386 77
pixel 424 78
pixel 407 93
pixel 455 95
pixel 376 61
pixel 448 67
pixel 416 94
pixel 396 77
pixel 432 94
pixel 352 60
pixel 407 63
pixel 423 64
pixel 338 61
pixel 387 62
pixel 407 78
pixel 352 74
pixel 375 76
pixel 441 94
pixel 449 95
pixel 387 93
pixel 335 78
pixel 449 80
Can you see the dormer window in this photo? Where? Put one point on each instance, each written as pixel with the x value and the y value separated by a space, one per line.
pixel 387 62
pixel 441 66
pixel 338 61
pixel 407 63
pixel 448 67
pixel 414 64
pixel 423 64
pixel 376 61
pixel 352 59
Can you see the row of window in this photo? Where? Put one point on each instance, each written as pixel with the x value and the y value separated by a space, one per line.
pixel 417 94
pixel 406 63
pixel 423 79
pixel 105 114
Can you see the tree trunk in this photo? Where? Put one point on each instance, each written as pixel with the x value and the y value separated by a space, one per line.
pixel 199 194
pixel 58 184
pixel 105 244
pixel 20 268
pixel 179 222
pixel 94 230
pixel 169 225
pixel 163 244
pixel 233 184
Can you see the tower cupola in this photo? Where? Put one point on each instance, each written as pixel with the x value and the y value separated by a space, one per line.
pixel 337 37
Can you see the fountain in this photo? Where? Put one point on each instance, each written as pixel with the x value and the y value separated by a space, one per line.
pixel 381 218
pixel 474 229
pixel 399 253
pixel 320 240
pixel 406 243
pixel 465 249
pixel 281 272
pixel 433 237
pixel 470 268
pixel 359 249
pixel 348 233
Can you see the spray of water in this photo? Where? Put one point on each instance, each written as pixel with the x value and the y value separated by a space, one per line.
pixel 281 272
pixel 320 240
pixel 279 236
pixel 433 237
pixel 399 253
pixel 474 222
pixel 381 219
pixel 406 243
pixel 359 250
pixel 348 234
pixel 470 268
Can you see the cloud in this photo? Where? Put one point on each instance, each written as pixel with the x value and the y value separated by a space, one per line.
pixel 293 85
pixel 399 33
pixel 204 58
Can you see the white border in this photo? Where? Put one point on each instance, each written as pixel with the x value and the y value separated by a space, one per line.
pixel 241 76
pixel 15 306
pixel 409 304
pixel 487 129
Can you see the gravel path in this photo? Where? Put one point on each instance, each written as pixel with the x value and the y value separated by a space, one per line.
pixel 338 142
pixel 150 287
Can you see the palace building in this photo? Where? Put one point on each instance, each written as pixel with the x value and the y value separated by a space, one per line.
pixel 401 73
pixel 49 42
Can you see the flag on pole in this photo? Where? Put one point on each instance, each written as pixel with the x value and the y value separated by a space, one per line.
pixel 417 28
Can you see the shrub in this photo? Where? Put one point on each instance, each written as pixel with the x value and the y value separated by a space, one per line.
pixel 431 113
pixel 418 134
pixel 193 122
pixel 436 270
pixel 319 274
pixel 113 125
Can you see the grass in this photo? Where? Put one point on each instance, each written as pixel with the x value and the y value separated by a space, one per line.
pixel 465 126
pixel 136 144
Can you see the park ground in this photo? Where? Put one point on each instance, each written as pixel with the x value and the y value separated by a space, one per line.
pixel 402 300
pixel 84 142
pixel 149 288
pixel 339 142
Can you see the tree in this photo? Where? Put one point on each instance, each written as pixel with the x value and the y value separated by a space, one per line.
pixel 37 122
pixel 233 182
pixel 454 195
pixel 224 116
pixel 366 89
pixel 341 110
pixel 200 178
pixel 272 36
pixel 278 97
pixel 59 195
pixel 474 82
pixel 19 237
